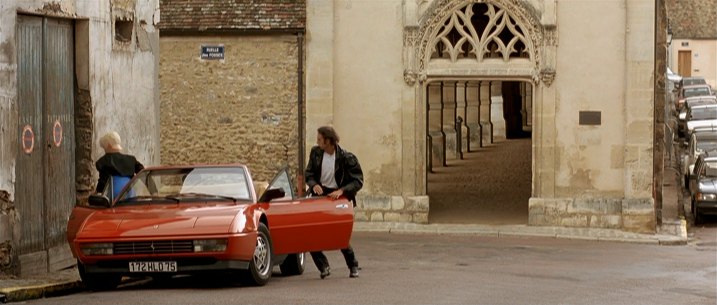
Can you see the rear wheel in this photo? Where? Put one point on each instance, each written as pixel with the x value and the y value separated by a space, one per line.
pixel 98 282
pixel 293 264
pixel 260 266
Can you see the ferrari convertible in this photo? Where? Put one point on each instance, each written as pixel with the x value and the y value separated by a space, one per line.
pixel 199 219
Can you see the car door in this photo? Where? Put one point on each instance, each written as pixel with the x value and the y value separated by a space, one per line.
pixel 307 224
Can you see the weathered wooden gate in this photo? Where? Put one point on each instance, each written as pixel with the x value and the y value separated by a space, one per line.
pixel 45 172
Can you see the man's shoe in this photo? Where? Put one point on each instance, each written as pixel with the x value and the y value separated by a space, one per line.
pixel 326 272
pixel 354 272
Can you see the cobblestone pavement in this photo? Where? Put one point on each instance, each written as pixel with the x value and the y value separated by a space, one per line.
pixel 489 186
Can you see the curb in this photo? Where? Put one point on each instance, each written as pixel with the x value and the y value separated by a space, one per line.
pixel 522 231
pixel 23 293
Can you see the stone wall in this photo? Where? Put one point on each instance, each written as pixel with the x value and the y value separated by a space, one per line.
pixel 116 90
pixel 693 19
pixel 240 109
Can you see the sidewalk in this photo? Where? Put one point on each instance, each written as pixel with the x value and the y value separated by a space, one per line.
pixel 68 281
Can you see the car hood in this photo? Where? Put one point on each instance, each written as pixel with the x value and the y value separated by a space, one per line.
pixel 707 186
pixel 701 123
pixel 160 220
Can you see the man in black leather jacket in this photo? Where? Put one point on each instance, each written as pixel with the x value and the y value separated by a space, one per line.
pixel 334 172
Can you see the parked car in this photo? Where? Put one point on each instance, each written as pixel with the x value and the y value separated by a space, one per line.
pixel 690 91
pixel 689 103
pixel 704 188
pixel 702 140
pixel 692 80
pixel 701 116
pixel 199 219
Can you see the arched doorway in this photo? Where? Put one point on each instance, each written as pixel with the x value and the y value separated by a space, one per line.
pixel 492 52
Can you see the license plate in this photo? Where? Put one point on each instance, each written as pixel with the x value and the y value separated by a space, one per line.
pixel 166 266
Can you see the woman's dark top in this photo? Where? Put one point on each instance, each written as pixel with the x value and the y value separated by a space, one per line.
pixel 116 164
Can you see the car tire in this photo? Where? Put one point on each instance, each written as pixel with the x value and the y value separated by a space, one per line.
pixel 696 214
pixel 261 264
pixel 293 264
pixel 98 282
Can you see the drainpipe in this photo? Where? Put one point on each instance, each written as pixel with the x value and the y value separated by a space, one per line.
pixel 300 89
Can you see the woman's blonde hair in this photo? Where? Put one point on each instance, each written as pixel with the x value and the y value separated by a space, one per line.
pixel 111 141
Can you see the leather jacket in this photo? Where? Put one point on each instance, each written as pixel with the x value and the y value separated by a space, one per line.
pixel 347 171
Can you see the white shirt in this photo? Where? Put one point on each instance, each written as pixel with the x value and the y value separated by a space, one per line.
pixel 327 171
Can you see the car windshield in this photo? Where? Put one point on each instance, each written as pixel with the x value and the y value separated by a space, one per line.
pixel 693 81
pixel 187 185
pixel 697 91
pixel 707 145
pixel 710 169
pixel 704 113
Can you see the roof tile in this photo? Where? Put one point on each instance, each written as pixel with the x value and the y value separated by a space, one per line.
pixel 208 15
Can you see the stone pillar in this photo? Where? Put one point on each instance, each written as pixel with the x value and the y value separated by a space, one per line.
pixel 472 118
pixel 484 112
pixel 449 117
pixel 496 111
pixel 462 109
pixel 436 139
pixel 523 104
pixel 528 104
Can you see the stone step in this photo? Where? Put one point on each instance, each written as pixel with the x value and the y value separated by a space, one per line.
pixel 674 227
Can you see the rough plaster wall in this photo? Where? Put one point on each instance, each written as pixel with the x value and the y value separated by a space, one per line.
pixel 8 106
pixel 589 158
pixel 367 103
pixel 242 109
pixel 124 84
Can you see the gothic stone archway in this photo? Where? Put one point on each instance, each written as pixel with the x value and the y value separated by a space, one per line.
pixel 484 40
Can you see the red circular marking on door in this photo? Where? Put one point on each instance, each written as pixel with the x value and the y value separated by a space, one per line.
pixel 28 139
pixel 57 133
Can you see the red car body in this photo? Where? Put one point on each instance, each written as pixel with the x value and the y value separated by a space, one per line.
pixel 158 236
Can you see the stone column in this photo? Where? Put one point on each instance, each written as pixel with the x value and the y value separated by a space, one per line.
pixel 523 104
pixel 436 139
pixel 528 104
pixel 484 112
pixel 462 109
pixel 496 111
pixel 449 116
pixel 472 118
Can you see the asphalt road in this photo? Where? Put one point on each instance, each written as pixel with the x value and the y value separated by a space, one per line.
pixel 444 269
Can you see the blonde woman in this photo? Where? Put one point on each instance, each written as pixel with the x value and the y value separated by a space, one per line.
pixel 114 163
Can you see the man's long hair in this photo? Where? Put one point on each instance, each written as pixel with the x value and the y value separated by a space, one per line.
pixel 328 133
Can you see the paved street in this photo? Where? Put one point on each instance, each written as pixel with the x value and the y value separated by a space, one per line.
pixel 454 269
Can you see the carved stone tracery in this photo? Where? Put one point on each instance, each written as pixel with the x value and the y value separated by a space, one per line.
pixel 449 29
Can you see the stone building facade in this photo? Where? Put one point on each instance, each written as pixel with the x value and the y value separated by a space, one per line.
pixel 70 71
pixel 243 107
pixel 372 81
pixel 693 50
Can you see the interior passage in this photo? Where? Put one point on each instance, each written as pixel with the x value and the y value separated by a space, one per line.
pixel 491 185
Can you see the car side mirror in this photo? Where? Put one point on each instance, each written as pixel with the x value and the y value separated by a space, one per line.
pixel 272 194
pixel 99 201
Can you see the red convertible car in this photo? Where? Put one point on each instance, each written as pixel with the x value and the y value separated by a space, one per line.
pixel 197 219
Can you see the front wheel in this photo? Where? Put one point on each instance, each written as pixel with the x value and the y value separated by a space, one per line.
pixel 293 264
pixel 696 214
pixel 98 282
pixel 260 266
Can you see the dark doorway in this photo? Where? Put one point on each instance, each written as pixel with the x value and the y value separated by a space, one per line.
pixel 492 183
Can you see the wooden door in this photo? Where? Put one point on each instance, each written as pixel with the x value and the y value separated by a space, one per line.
pixel 684 63
pixel 45 185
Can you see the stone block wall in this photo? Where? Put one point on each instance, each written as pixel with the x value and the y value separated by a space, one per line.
pixel 635 215
pixel 376 208
pixel 242 109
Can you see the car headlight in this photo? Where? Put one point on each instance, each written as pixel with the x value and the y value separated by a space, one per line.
pixel 96 248
pixel 210 245
pixel 705 197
